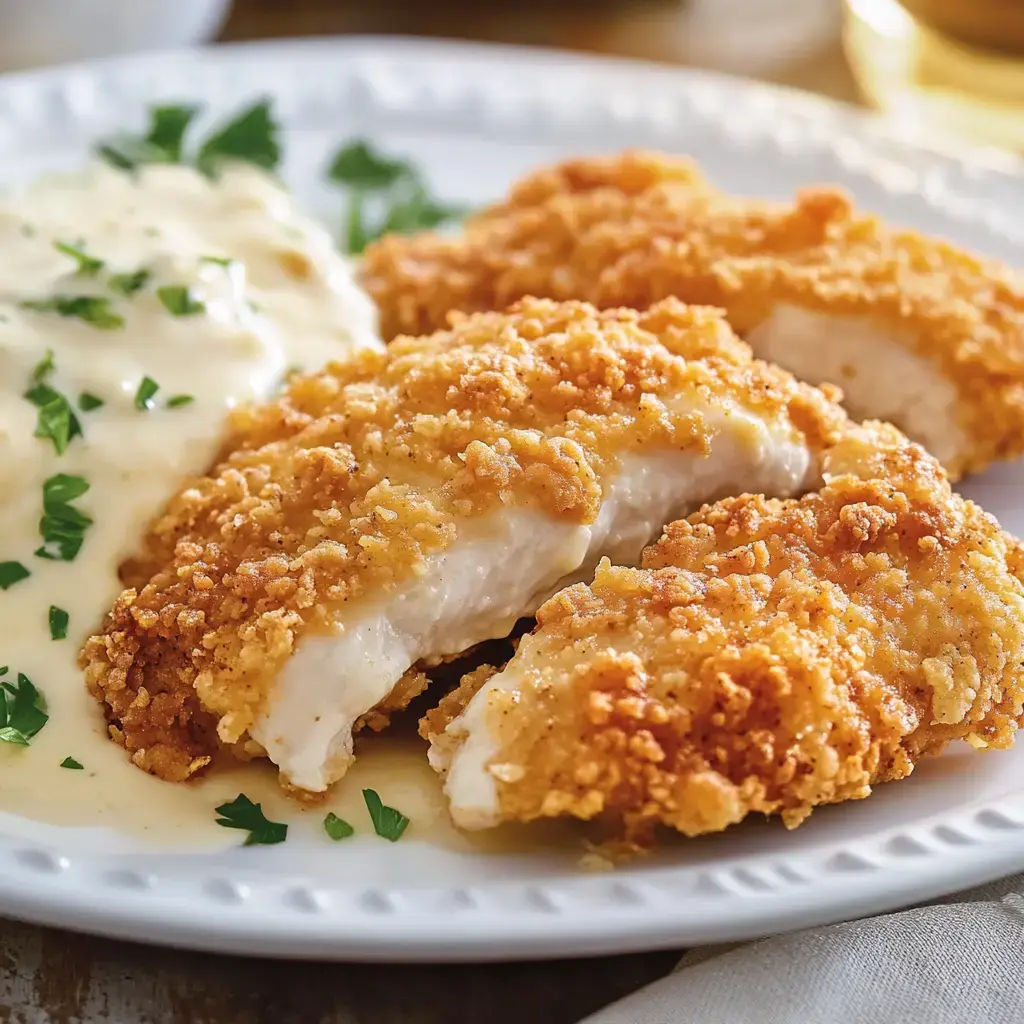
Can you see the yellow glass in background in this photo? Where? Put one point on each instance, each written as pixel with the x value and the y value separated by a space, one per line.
pixel 943 69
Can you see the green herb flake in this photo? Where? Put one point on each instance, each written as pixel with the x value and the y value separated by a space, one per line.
pixel 91 309
pixel 359 165
pixel 11 573
pixel 250 137
pixel 130 283
pixel 243 814
pixel 220 261
pixel 58 623
pixel 144 394
pixel 167 128
pixel 56 420
pixel 178 401
pixel 178 301
pixel 62 526
pixel 88 266
pixel 387 822
pixel 70 762
pixel 88 402
pixel 337 828
pixel 22 712
pixel 44 367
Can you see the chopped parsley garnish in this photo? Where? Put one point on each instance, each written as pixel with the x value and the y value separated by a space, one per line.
pixel 250 136
pixel 22 712
pixel 387 822
pixel 167 128
pixel 56 421
pixel 58 623
pixel 177 401
pixel 92 309
pixel 178 301
pixel 88 402
pixel 88 266
pixel 62 525
pixel 221 261
pixel 337 828
pixel 144 395
pixel 11 573
pixel 129 284
pixel 44 367
pixel 384 195
pixel 70 762
pixel 244 814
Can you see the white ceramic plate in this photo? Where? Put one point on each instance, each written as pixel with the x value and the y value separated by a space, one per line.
pixel 475 118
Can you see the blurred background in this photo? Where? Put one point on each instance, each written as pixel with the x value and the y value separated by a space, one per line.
pixel 943 70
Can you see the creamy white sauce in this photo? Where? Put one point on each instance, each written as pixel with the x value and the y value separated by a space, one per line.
pixel 880 376
pixel 502 569
pixel 286 299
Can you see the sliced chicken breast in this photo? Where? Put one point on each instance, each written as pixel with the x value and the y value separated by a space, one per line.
pixel 770 656
pixel 912 329
pixel 391 512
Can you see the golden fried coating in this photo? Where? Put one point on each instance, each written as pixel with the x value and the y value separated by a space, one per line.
pixel 342 490
pixel 770 656
pixel 917 331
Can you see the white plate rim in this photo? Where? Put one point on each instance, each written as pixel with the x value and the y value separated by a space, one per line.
pixel 241 909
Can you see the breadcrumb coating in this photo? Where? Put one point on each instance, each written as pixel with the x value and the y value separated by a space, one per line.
pixel 342 488
pixel 770 656
pixel 583 231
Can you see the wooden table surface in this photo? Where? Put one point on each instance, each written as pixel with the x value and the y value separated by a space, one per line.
pixel 53 977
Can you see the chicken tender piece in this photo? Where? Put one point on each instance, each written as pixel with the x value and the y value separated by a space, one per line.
pixel 769 656
pixel 393 511
pixel 914 331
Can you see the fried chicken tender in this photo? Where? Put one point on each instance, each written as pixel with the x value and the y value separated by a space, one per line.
pixel 914 331
pixel 393 511
pixel 770 656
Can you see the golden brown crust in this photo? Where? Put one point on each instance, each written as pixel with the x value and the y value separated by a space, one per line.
pixel 770 656
pixel 614 246
pixel 347 483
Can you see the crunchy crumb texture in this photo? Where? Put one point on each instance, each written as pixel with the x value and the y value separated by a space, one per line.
pixel 345 485
pixel 770 656
pixel 626 235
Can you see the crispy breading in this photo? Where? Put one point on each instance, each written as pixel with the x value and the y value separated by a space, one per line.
pixel 341 490
pixel 770 656
pixel 574 233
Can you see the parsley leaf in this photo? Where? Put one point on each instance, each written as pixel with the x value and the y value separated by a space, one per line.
pixel 177 401
pixel 358 165
pixel 144 395
pixel 56 421
pixel 62 524
pixel 93 309
pixel 11 573
pixel 178 301
pixel 70 762
pixel 126 153
pixel 221 261
pixel 129 284
pixel 88 266
pixel 337 828
pixel 244 814
pixel 58 623
pixel 167 127
pixel 22 712
pixel 251 137
pixel 387 822
pixel 393 189
pixel 44 367
pixel 88 402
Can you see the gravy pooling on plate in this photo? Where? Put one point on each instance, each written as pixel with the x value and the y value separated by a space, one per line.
pixel 135 311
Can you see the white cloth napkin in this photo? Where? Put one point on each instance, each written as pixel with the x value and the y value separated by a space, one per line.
pixel 958 961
